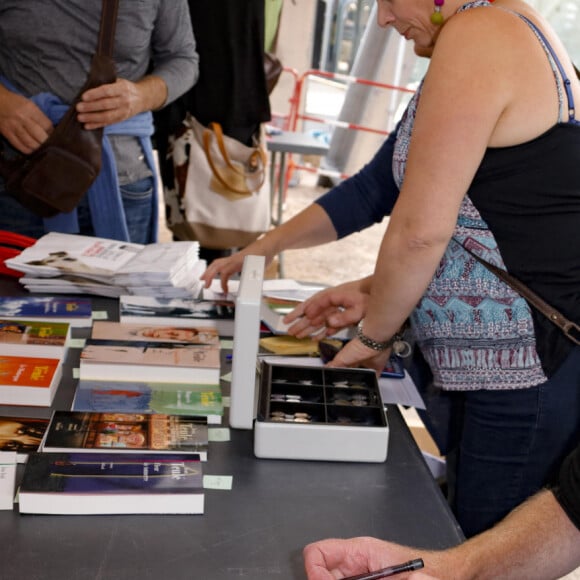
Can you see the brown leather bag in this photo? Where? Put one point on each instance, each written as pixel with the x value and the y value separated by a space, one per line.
pixel 55 177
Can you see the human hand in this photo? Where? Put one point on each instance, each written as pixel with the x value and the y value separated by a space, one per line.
pixel 332 309
pixel 334 558
pixel 22 123
pixel 225 268
pixel 110 103
pixel 355 354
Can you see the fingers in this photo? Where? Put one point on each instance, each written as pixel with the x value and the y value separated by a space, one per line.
pixel 23 124
pixel 355 354
pixel 223 268
pixel 108 104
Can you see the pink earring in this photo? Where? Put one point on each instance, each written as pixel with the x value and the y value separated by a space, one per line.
pixel 437 17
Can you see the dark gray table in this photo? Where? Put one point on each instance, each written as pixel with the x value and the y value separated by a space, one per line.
pixel 255 531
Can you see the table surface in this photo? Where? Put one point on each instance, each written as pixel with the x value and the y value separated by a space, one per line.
pixel 296 142
pixel 256 530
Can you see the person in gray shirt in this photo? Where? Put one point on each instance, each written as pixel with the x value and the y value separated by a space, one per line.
pixel 45 54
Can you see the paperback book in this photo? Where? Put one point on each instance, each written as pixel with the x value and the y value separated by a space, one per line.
pixel 173 334
pixel 273 310
pixel 112 483
pixel 7 479
pixel 126 360
pixel 147 397
pixel 34 338
pixel 28 381
pixel 191 312
pixel 126 432
pixel 75 311
pixel 22 435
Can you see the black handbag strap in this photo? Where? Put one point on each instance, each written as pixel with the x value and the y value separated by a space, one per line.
pixel 569 328
pixel 108 25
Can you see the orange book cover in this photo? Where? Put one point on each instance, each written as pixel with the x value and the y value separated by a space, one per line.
pixel 27 372
pixel 28 381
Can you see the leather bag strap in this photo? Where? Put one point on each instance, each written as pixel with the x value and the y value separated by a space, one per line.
pixel 257 159
pixel 106 42
pixel 569 328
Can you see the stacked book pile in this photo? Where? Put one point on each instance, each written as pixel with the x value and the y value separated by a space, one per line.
pixel 73 264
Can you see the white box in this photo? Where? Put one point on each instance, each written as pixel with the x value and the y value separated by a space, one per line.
pixel 246 338
pixel 319 413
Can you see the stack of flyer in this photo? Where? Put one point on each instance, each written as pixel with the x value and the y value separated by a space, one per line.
pixel 74 264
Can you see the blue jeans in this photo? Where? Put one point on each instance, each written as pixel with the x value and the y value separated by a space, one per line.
pixel 507 445
pixel 137 199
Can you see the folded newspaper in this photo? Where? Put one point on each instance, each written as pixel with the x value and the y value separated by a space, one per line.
pixel 69 263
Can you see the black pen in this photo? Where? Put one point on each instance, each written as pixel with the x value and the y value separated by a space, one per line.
pixel 390 571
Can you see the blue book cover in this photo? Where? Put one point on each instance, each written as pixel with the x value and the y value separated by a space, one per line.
pixel 112 483
pixel 143 397
pixel 76 311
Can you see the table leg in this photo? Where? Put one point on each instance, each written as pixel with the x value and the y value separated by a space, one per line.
pixel 281 184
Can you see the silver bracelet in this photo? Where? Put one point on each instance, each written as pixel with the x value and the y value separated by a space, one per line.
pixel 374 344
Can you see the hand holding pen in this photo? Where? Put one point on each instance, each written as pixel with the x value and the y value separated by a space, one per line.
pixel 409 566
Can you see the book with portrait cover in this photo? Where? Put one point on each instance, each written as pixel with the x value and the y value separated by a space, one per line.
pixel 28 381
pixel 126 360
pixel 34 338
pixel 190 312
pixel 23 435
pixel 126 432
pixel 172 333
pixel 76 311
pixel 112 483
pixel 148 397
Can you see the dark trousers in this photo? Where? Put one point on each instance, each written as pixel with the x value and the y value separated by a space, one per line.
pixel 502 446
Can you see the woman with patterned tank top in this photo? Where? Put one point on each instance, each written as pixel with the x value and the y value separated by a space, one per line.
pixel 487 159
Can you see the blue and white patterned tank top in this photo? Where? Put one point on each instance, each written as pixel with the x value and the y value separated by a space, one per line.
pixel 473 329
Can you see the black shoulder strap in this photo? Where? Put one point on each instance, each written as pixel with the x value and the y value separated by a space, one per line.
pixel 569 328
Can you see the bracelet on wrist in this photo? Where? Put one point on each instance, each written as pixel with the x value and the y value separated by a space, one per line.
pixel 371 342
pixel 400 346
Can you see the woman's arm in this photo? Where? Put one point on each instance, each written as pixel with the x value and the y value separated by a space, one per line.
pixel 354 204
pixel 459 115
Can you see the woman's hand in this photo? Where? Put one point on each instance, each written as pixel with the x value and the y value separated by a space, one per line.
pixel 22 123
pixel 225 268
pixel 333 559
pixel 331 309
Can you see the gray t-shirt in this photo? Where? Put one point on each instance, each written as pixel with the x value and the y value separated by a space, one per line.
pixel 47 47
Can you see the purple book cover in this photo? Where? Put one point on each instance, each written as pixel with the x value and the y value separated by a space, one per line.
pixel 102 473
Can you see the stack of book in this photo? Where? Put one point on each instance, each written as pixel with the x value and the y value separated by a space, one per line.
pixel 74 264
pixel 87 432
pixel 112 483
pixel 190 312
pixel 116 463
pixel 150 369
